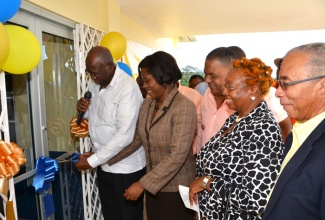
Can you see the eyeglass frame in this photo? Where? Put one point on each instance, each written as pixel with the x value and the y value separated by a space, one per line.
pixel 230 88
pixel 284 85
pixel 95 74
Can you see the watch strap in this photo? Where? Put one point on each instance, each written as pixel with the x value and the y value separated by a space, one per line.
pixel 205 181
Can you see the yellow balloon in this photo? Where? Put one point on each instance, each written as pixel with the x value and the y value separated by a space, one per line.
pixel 24 50
pixel 116 43
pixel 4 45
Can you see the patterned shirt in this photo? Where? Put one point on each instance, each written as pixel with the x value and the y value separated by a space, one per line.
pixel 244 163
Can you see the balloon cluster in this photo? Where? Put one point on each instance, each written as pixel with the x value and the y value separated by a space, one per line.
pixel 20 50
pixel 116 43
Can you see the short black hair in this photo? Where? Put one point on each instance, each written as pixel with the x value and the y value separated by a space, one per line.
pixel 223 54
pixel 238 51
pixel 196 76
pixel 162 66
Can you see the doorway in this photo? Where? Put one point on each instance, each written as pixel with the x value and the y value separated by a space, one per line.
pixel 40 107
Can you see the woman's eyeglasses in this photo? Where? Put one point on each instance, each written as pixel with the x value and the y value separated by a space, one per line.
pixel 230 88
pixel 285 85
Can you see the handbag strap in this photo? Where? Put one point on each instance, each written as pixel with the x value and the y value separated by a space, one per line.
pixel 231 189
pixel 226 201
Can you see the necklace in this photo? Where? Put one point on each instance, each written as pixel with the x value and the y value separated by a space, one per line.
pixel 156 105
pixel 238 119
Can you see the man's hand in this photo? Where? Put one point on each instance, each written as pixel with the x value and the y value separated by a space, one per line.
pixel 134 191
pixel 83 104
pixel 83 164
pixel 88 154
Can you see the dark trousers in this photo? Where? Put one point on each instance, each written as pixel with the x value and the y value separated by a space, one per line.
pixel 111 188
pixel 167 206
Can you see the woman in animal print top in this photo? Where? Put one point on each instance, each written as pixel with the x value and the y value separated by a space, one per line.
pixel 237 168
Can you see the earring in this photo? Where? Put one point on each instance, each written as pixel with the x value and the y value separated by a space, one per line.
pixel 253 98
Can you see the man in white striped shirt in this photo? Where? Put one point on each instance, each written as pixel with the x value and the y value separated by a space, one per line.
pixel 112 114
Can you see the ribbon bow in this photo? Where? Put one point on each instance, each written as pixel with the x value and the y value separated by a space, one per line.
pixel 11 158
pixel 81 130
pixel 46 168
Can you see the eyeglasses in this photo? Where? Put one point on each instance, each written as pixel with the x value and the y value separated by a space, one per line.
pixel 94 74
pixel 229 88
pixel 285 85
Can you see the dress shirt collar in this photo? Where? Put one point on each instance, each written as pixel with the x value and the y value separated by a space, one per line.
pixel 303 130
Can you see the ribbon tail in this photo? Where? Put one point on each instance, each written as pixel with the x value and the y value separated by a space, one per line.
pixel 10 214
pixel 38 182
pixel 48 205
pixel 4 186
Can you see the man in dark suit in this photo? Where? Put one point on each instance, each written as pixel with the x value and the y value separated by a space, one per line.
pixel 299 193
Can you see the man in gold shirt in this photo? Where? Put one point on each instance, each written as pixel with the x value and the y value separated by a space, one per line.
pixel 299 193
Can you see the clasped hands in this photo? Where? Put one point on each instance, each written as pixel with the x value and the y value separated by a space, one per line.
pixel 134 191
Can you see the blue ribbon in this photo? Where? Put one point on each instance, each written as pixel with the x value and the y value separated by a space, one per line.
pixel 48 205
pixel 46 168
pixel 75 157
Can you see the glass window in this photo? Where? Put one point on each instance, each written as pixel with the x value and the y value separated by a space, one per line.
pixel 60 83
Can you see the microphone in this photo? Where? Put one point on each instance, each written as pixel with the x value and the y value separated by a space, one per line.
pixel 87 96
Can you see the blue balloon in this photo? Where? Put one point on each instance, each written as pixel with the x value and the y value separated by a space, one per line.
pixel 125 68
pixel 8 8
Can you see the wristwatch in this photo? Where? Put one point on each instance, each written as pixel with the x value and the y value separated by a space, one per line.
pixel 205 181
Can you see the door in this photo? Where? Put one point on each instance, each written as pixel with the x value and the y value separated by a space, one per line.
pixel 40 107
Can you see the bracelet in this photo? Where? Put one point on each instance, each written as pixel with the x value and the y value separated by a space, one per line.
pixel 205 181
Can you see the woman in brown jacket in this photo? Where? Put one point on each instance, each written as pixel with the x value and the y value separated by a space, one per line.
pixel 166 126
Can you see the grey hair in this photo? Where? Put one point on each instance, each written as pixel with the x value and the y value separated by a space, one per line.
pixel 103 53
pixel 106 55
pixel 316 52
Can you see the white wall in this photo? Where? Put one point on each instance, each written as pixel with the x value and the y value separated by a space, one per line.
pixel 103 15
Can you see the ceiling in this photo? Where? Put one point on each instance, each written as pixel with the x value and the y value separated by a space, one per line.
pixel 187 18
